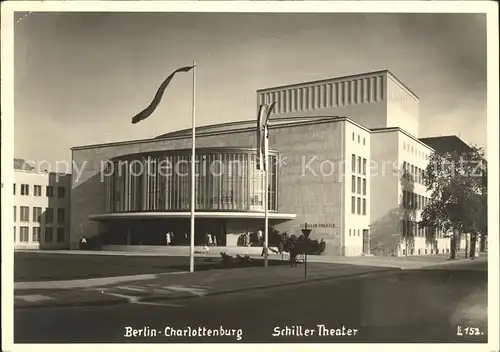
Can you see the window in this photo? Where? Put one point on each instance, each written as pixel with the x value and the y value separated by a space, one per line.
pixel 359 206
pixel 353 136
pixel 353 205
pixel 37 190
pixel 61 192
pixel 359 164
pixel 36 234
pixel 349 232
pixel 364 186
pixel 49 215
pixel 25 190
pixel 25 214
pixel 364 166
pixel 363 141
pixel 49 191
pixel 24 235
pixel 49 235
pixel 61 216
pixel 358 232
pixel 14 234
pixel 60 234
pixel 37 214
pixel 353 162
pixel 353 184
pixel 14 189
pixel 359 138
pixel 405 165
pixel 364 206
pixel 359 185
pixel 15 213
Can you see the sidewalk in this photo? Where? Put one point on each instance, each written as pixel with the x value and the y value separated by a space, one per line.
pixel 189 285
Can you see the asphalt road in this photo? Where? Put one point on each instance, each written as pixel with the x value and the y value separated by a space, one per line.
pixel 407 306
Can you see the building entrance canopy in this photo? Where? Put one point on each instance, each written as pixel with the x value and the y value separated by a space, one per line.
pixel 180 215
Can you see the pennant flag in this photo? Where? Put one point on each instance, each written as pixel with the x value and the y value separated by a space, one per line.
pixel 159 94
pixel 263 135
pixel 260 136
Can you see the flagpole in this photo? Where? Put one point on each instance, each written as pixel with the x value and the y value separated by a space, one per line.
pixel 193 170
pixel 266 215
pixel 266 195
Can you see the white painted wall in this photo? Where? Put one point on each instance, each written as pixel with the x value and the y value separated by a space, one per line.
pixel 43 179
pixel 357 142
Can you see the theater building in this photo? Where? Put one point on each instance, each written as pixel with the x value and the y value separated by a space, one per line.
pixel 338 150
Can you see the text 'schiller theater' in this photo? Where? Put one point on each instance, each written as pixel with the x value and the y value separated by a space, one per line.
pixel 338 149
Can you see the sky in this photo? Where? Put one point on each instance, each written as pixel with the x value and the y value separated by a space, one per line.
pixel 81 77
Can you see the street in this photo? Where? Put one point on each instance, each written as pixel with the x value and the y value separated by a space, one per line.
pixel 423 305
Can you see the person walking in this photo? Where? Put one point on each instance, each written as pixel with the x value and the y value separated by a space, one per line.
pixel 209 239
pixel 293 252
pixel 168 238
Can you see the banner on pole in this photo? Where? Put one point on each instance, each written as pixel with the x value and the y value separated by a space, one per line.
pixel 144 114
pixel 263 135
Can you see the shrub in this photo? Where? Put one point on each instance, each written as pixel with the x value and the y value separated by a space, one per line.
pixel 226 259
pixel 243 260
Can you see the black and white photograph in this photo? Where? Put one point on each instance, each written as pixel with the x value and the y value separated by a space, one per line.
pixel 277 173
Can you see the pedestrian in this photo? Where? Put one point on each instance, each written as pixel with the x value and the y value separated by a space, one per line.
pixel 292 248
pixel 209 239
pixel 215 241
pixel 168 238
pixel 247 239
pixel 186 238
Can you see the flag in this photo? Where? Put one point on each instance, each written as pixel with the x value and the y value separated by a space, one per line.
pixel 260 136
pixel 263 135
pixel 159 94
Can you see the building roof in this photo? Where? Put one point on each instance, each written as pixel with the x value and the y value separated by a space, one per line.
pixel 340 78
pixel 443 144
pixel 232 127
pixel 21 164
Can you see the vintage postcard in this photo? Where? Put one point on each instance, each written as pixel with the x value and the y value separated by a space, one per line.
pixel 310 175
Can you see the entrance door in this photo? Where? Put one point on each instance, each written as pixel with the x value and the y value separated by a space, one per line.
pixel 366 241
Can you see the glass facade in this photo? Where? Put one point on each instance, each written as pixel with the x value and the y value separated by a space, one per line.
pixel 226 180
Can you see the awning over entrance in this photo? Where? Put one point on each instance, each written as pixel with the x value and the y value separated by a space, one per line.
pixel 202 215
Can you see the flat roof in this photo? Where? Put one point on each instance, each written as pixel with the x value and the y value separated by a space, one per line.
pixel 398 129
pixel 225 128
pixel 356 75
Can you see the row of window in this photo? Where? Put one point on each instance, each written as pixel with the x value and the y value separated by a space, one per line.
pixel 327 95
pixel 36 234
pixel 354 232
pixel 412 229
pixel 415 201
pixel 37 191
pixel 358 205
pixel 24 215
pixel 433 251
pixel 361 165
pixel 358 185
pixel 224 181
pixel 414 173
pixel 415 151
pixel 354 135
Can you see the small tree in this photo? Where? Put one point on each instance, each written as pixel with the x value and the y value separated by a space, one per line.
pixel 456 181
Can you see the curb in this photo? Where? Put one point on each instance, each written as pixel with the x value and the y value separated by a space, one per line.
pixel 117 301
